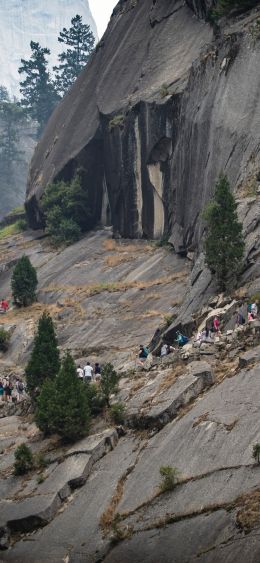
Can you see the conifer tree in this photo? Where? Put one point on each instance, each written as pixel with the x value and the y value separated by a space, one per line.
pixel 37 89
pixel 24 282
pixel 63 405
pixel 80 41
pixel 44 362
pixel 224 242
pixel 109 381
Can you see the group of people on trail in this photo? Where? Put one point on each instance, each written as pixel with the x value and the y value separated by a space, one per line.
pixel 8 392
pixel 88 373
pixel 4 306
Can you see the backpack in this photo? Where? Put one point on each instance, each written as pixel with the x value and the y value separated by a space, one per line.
pixel 146 352
pixel 249 308
pixel 20 386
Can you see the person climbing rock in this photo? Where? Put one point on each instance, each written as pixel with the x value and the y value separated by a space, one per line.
pixel 254 310
pixel 4 306
pixel 164 350
pixel 143 354
pixel 181 339
pixel 88 372
pixel 97 372
pixel 80 372
pixel 240 319
pixel 216 324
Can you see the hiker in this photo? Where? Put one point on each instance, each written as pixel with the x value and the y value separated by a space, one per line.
pixel 4 306
pixel 216 324
pixel 254 310
pixel 8 392
pixel 19 389
pixel 143 354
pixel 164 350
pixel 181 339
pixel 1 391
pixel 80 372
pixel 97 372
pixel 88 372
pixel 240 319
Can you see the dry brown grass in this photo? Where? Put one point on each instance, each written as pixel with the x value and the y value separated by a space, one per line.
pixel 111 245
pixel 108 515
pixel 171 378
pixel 96 288
pixel 225 369
pixel 112 261
pixel 248 516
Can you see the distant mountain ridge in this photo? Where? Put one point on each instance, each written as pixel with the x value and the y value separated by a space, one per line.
pixel 24 20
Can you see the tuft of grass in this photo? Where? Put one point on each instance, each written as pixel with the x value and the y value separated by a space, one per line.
pixel 112 261
pixel 40 479
pixel 170 477
pixel 117 412
pixel 117 121
pixel 164 90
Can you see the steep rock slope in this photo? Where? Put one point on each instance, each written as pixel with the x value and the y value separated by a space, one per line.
pixel 161 109
pixel 22 21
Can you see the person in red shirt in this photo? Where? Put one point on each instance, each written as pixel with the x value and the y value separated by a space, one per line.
pixel 4 305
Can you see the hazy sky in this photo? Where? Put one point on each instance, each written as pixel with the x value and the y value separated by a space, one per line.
pixel 102 10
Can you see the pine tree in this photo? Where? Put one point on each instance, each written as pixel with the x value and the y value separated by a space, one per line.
pixel 62 406
pixel 109 381
pixel 24 282
pixel 39 95
pixel 224 242
pixel 80 41
pixel 11 116
pixel 44 362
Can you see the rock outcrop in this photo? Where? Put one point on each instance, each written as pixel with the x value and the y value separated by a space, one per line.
pixel 160 110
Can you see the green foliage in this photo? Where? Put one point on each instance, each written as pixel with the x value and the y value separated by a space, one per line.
pixel 117 412
pixel 62 406
pixel 23 460
pixel 117 121
pixel 13 229
pixel 255 298
pixel 4 340
pixel 96 400
pixel 169 478
pixel 44 362
pixel 224 242
pixel 12 116
pixel 256 452
pixel 168 319
pixel 80 41
pixel 224 7
pixel 109 381
pixel 66 209
pixel 38 92
pixel 164 91
pixel 40 461
pixel 24 282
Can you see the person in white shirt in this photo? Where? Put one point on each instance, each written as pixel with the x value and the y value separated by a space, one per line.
pixel 88 372
pixel 80 372
pixel 164 350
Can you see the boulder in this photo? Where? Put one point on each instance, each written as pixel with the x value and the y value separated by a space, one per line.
pixel 250 357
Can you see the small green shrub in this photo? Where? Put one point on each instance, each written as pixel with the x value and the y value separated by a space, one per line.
pixel 164 91
pixel 168 319
pixel 21 225
pixel 40 479
pixel 255 298
pixel 4 340
pixel 23 460
pixel 117 412
pixel 256 452
pixel 169 478
pixel 117 121
pixel 40 461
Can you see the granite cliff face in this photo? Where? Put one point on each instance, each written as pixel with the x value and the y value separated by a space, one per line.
pixel 161 109
pixel 24 20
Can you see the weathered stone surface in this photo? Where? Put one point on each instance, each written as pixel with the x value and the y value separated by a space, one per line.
pixel 217 488
pixel 76 532
pixel 206 538
pixel 29 513
pixel 250 357
pixel 222 424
